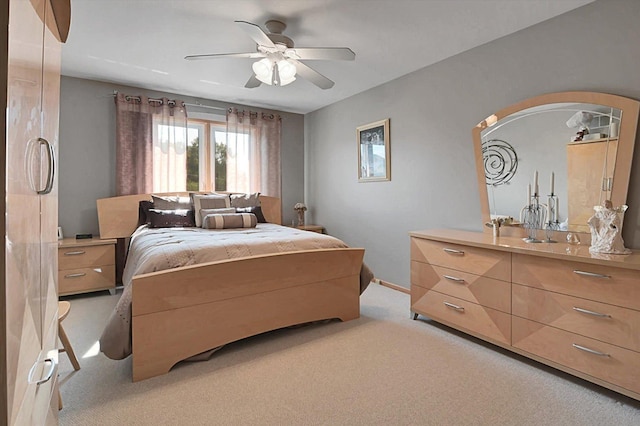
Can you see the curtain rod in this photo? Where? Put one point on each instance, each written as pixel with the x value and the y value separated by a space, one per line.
pixel 205 106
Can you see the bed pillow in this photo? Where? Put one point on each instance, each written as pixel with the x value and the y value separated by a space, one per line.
pixel 209 201
pixel 205 212
pixel 143 211
pixel 255 210
pixel 230 220
pixel 173 202
pixel 245 200
pixel 171 218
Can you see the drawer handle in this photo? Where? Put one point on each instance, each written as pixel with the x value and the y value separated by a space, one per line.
pixel 452 306
pixel 591 274
pixel 78 275
pixel 453 251
pixel 588 312
pixel 454 279
pixel 591 351
pixel 74 253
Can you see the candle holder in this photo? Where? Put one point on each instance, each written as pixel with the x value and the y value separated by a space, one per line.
pixel 552 224
pixel 533 219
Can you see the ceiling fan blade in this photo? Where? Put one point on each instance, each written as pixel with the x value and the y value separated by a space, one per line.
pixel 323 53
pixel 225 55
pixel 252 82
pixel 256 33
pixel 312 75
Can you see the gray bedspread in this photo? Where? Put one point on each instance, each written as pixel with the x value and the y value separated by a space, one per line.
pixel 157 249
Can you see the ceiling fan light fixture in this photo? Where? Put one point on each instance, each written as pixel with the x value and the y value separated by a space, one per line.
pixel 273 73
pixel 263 70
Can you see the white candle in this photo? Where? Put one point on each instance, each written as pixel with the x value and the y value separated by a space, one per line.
pixel 535 183
pixel 528 194
pixel 552 179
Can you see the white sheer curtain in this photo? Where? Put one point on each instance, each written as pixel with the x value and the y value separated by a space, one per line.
pixel 151 145
pixel 169 146
pixel 253 152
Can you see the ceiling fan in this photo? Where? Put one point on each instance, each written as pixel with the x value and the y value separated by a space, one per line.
pixel 279 62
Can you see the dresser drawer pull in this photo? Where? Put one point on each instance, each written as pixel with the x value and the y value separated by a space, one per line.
pixel 588 312
pixel 591 351
pixel 453 251
pixel 591 274
pixel 78 275
pixel 454 279
pixel 452 306
pixel 74 253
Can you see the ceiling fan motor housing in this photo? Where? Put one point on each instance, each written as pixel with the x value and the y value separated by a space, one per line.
pixel 275 33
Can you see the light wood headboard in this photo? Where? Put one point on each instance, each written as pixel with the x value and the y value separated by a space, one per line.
pixel 118 216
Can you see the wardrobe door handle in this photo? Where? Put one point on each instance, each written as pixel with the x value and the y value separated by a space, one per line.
pixel 78 275
pixel 452 306
pixel 593 313
pixel 51 169
pixel 74 253
pixel 590 274
pixel 591 351
pixel 47 376
pixel 454 279
pixel 453 251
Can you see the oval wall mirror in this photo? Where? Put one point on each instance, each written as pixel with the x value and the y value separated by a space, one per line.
pixel 577 146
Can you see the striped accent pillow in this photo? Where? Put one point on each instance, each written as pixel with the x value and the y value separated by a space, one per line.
pixel 229 220
pixel 207 212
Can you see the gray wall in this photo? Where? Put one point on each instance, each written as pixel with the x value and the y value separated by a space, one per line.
pixel 432 112
pixel 87 151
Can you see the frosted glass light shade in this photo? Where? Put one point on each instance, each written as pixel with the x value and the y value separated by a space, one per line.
pixel 265 69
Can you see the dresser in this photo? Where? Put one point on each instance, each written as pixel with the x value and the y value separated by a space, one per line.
pixel 86 265
pixel 555 303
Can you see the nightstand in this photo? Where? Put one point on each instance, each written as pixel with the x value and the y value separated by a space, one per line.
pixel 313 228
pixel 86 265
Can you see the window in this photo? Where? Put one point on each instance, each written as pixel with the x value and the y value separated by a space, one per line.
pixel 212 164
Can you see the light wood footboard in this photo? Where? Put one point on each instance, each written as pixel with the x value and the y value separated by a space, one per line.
pixel 182 312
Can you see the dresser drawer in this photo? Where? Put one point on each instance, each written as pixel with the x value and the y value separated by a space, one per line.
pixel 86 279
pixel 85 256
pixel 606 284
pixel 614 364
pixel 459 313
pixel 490 263
pixel 484 291
pixel 608 323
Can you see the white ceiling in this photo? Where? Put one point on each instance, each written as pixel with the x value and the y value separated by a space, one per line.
pixel 142 43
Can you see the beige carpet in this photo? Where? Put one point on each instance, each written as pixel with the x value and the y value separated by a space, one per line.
pixel 382 369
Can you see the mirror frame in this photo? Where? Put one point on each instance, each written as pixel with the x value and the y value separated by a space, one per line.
pixel 626 141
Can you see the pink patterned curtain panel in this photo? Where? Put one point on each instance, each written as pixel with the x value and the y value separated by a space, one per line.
pixel 253 152
pixel 151 137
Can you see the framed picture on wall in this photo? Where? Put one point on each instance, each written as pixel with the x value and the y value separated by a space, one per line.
pixel 374 160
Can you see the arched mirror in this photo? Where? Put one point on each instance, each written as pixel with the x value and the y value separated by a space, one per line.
pixel 575 148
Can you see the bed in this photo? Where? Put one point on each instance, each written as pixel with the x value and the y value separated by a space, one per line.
pixel 178 313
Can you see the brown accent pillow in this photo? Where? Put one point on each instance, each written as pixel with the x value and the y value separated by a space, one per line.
pixel 173 202
pixel 171 218
pixel 255 210
pixel 245 200
pixel 231 220
pixel 143 211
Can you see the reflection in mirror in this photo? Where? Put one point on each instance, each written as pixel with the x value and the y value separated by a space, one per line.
pixel 573 149
pixel 569 145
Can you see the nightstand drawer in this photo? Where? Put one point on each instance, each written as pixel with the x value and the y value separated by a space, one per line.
pixel 86 279
pixel 490 263
pixel 85 256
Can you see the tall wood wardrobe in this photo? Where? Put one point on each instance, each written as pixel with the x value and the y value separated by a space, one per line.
pixel 30 55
